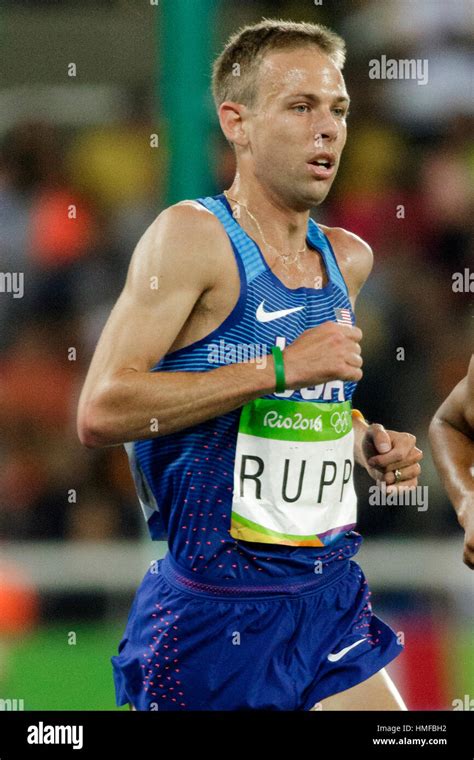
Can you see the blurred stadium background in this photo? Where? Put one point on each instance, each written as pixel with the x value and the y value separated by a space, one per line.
pixel 72 541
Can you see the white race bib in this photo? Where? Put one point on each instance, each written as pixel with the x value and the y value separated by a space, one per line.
pixel 293 469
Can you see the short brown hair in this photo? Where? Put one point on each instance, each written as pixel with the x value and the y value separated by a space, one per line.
pixel 248 45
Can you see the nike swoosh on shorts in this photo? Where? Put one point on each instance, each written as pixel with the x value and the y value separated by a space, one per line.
pixel 335 656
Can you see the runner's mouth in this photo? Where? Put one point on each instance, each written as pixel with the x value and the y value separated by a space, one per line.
pixel 322 168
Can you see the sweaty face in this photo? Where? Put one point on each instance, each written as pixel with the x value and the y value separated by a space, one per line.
pixel 297 129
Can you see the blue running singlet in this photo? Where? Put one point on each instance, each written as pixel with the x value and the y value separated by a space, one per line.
pixel 258 507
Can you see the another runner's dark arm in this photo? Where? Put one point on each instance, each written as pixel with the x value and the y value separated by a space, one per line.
pixel 452 442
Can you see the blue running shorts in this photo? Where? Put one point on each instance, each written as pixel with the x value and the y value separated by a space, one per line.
pixel 286 644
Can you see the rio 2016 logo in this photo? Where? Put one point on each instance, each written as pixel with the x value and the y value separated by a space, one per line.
pixel 296 422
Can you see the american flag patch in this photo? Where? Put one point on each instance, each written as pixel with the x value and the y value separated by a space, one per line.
pixel 343 317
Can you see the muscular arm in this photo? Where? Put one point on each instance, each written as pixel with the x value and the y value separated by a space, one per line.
pixel 173 264
pixel 452 442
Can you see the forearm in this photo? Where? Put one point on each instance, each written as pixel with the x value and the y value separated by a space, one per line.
pixel 136 405
pixel 453 454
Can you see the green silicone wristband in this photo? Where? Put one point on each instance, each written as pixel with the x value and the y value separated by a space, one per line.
pixel 279 369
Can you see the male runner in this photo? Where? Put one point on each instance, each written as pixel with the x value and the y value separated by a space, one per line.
pixel 246 465
pixel 452 443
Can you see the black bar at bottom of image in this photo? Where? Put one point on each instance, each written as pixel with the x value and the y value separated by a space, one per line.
pixel 377 734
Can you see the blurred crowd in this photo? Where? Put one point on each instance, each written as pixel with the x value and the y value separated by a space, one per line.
pixel 75 201
pixel 72 207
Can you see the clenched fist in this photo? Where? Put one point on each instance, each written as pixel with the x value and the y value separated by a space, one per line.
pixel 328 352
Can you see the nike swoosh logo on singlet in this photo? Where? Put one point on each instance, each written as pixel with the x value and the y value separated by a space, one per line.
pixel 334 657
pixel 268 316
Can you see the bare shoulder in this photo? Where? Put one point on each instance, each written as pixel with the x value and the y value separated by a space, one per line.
pixel 184 240
pixel 192 210
pixel 192 221
pixel 354 256
pixel 458 408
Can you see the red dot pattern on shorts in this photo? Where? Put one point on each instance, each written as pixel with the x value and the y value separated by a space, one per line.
pixel 162 667
pixel 366 616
